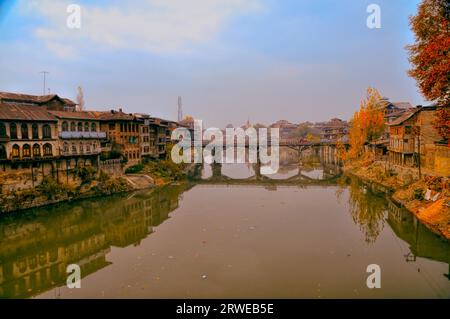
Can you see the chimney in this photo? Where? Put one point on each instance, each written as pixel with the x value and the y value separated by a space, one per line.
pixel 120 110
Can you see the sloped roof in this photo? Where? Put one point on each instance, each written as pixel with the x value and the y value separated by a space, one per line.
pixel 15 111
pixel 79 115
pixel 114 116
pixel 28 98
pixel 407 115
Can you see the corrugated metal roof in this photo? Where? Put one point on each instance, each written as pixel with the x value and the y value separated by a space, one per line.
pixel 14 111
pixel 79 115
pixel 28 98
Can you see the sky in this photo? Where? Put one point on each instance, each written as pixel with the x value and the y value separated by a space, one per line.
pixel 230 60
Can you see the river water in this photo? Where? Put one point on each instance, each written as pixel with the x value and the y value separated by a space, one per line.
pixel 300 234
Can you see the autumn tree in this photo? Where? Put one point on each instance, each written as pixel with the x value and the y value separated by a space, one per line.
pixel 430 57
pixel 367 124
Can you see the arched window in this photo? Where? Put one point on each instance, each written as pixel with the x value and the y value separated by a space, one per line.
pixel 48 149
pixel 2 152
pixel 2 129
pixel 72 127
pixel 66 147
pixel 94 127
pixel 65 126
pixel 46 131
pixel 15 151
pixel 26 150
pixel 86 126
pixel 80 127
pixel 13 130
pixel 74 148
pixel 88 148
pixel 24 131
pixel 35 131
pixel 36 150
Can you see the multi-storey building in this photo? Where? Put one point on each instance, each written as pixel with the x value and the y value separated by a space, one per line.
pixel 27 132
pixel 160 129
pixel 333 130
pixel 123 130
pixel 79 135
pixel 414 128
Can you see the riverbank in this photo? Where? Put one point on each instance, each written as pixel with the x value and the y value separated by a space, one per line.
pixel 428 198
pixel 88 184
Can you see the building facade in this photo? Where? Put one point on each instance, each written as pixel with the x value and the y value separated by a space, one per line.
pixel 413 139
pixel 124 132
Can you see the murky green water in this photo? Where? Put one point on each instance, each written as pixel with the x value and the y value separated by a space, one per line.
pixel 297 237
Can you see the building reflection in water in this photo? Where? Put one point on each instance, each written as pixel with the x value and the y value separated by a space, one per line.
pixel 37 245
pixel 371 210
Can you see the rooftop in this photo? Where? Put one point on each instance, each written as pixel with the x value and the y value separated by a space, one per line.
pixel 14 111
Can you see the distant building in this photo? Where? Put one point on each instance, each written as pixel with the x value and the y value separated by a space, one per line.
pixel 285 127
pixel 333 130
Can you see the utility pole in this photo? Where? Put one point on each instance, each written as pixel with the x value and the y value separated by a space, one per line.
pixel 43 88
pixel 417 135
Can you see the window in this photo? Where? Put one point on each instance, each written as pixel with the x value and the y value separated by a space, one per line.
pixel 46 131
pixel 81 148
pixel 2 152
pixel 35 131
pixel 88 148
pixel 80 127
pixel 72 126
pixel 94 127
pixel 112 126
pixel 48 149
pixel 65 126
pixel 65 147
pixel 24 131
pixel 2 129
pixel 26 150
pixel 36 150
pixel 86 127
pixel 74 148
pixel 15 151
pixel 13 130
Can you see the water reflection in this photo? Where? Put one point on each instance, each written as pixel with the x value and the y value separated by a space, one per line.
pixel 251 235
pixel 367 208
pixel 37 245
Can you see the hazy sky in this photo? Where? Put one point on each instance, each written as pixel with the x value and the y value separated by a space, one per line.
pixel 230 60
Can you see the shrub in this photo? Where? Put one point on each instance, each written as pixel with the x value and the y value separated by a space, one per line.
pixel 418 194
pixel 134 169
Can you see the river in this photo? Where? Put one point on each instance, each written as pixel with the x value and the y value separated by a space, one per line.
pixel 304 233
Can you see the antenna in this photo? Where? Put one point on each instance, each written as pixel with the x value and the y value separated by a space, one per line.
pixel 180 109
pixel 43 88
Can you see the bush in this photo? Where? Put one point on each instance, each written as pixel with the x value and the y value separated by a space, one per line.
pixel 134 169
pixel 86 174
pixel 50 188
pixel 418 194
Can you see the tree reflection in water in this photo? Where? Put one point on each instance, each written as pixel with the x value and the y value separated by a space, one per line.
pixel 367 208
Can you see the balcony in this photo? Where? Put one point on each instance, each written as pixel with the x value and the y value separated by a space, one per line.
pixel 82 135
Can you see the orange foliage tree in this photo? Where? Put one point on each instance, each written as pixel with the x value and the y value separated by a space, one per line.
pixel 430 57
pixel 367 124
